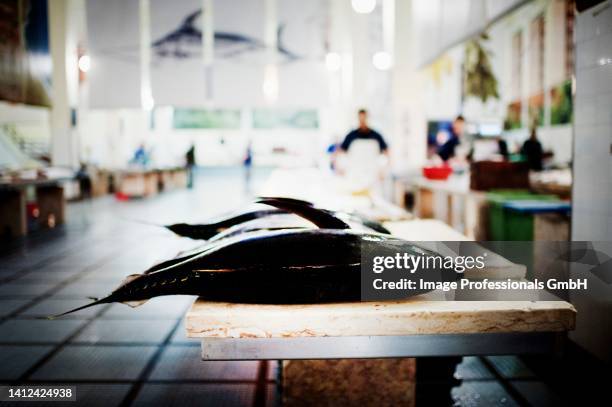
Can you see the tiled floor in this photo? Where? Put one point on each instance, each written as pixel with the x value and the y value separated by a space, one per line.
pixel 117 355
pixel 114 354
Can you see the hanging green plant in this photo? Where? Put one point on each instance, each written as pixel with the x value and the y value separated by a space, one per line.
pixel 480 81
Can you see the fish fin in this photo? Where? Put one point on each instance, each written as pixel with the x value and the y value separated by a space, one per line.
pixel 91 304
pixel 134 304
pixel 288 200
pixel 320 217
pixel 93 298
pixel 280 45
pixel 197 232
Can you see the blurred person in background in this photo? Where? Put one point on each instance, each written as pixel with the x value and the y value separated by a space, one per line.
pixel 532 151
pixel 84 180
pixel 333 150
pixel 189 164
pixel 364 132
pixel 363 157
pixel 503 148
pixel 447 149
pixel 248 164
pixel 141 157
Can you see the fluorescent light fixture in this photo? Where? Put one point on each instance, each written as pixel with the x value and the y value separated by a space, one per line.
pixel 84 63
pixel 382 60
pixel 363 6
pixel 333 61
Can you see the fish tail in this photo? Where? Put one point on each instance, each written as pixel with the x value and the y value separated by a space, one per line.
pixel 91 304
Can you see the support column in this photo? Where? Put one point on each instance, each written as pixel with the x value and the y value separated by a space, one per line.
pixel 409 135
pixel 63 148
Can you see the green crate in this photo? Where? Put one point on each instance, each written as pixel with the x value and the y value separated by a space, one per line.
pixel 507 225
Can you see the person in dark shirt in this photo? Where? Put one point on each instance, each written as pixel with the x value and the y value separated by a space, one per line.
pixel 363 132
pixel 247 163
pixel 189 164
pixel 447 150
pixel 503 148
pixel 532 151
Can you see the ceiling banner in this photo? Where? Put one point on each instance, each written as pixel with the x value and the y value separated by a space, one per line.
pixel 114 46
pixel 233 76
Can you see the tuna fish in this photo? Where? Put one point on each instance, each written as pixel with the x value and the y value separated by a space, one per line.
pixel 287 266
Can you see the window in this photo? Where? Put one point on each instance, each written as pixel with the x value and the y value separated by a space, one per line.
pixel 206 119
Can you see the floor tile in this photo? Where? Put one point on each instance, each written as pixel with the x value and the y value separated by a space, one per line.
pixel 53 306
pixel 23 261
pixel 97 395
pixel 25 289
pixel 472 368
pixel 128 331
pixel 9 306
pixel 37 330
pixel 47 276
pixel 107 274
pixel 16 360
pixel 79 289
pixel 9 273
pixel 96 363
pixel 185 395
pixel 482 393
pixel 167 307
pixel 185 363
pixel 79 262
pixel 510 367
pixel 9 268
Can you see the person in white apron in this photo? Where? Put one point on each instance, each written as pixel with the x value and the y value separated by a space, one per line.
pixel 366 154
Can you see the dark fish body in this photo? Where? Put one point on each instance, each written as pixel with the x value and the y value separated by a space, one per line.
pixel 301 266
pixel 260 264
pixel 279 221
pixel 271 222
pixel 279 267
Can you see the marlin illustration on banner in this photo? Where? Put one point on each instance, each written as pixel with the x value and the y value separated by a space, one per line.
pixel 185 41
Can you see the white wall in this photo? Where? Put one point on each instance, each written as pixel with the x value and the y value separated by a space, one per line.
pixel 108 138
pixel 592 193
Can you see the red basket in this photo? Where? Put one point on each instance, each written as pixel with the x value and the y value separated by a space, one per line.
pixel 440 173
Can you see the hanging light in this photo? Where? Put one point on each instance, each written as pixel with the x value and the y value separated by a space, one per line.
pixel 382 60
pixel 148 103
pixel 84 63
pixel 333 61
pixel 270 83
pixel 363 6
